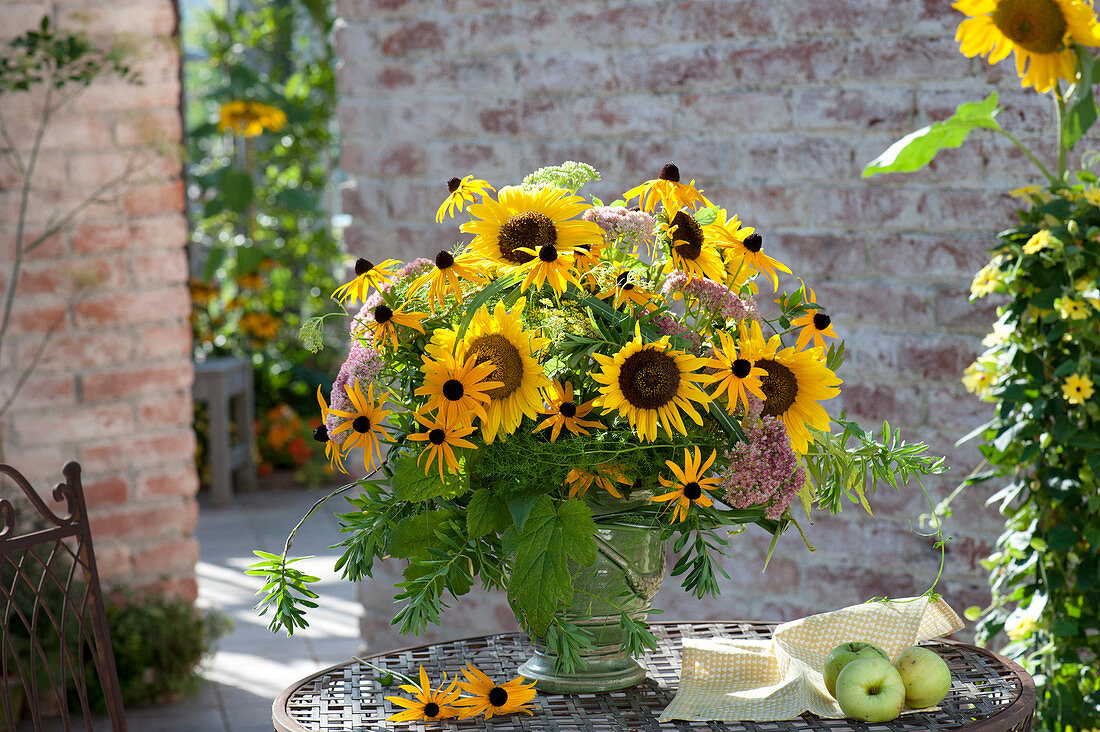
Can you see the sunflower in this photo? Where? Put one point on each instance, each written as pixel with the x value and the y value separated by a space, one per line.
pixel 430 704
pixel 691 252
pixel 735 374
pixel 365 423
pixel 367 275
pixel 748 252
pixel 442 438
pixel 457 389
pixel 648 382
pixel 385 322
pixel 513 229
pixel 491 698
pixel 689 485
pixel 447 277
pixel 626 290
pixel 549 265
pixel 815 325
pixel 667 189
pixel 580 480
pixel 1041 32
pixel 333 452
pixel 461 194
pixel 564 412
pixel 499 342
pixel 796 381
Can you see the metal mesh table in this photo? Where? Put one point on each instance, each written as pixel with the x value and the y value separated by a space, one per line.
pixel 988 692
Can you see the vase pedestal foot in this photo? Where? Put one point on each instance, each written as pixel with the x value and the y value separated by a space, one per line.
pixel 607 673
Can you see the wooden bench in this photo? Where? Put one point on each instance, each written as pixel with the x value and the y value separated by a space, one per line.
pixel 224 384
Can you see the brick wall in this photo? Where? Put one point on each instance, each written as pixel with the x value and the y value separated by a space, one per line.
pixel 773 107
pixel 113 387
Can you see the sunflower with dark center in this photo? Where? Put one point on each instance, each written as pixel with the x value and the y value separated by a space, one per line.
pixel 497 339
pixel 737 377
pixel 364 425
pixel 650 383
pixel 333 452
pixel 815 326
pixel 447 277
pixel 441 438
pixel 795 384
pixel 461 193
pixel 512 230
pixel 625 291
pixel 457 389
pixel 429 704
pixel 667 189
pixel 689 250
pixel 563 412
pixel 384 322
pixel 1040 32
pixel 367 275
pixel 488 697
pixel 690 485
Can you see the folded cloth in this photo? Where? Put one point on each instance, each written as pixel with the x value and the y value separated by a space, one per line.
pixel 726 679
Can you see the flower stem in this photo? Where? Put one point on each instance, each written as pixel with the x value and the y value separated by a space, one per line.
pixel 1050 176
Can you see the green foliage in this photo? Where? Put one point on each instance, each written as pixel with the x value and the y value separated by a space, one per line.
pixel 59 60
pixel 286 592
pixel 411 482
pixel 917 149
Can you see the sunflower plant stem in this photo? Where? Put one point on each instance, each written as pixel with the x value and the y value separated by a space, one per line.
pixel 1060 118
pixel 320 502
pixel 1027 151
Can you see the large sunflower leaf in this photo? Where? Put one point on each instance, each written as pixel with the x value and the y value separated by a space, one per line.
pixel 1083 112
pixel 917 149
pixel 540 576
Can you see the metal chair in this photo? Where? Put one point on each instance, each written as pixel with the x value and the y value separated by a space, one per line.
pixel 54 621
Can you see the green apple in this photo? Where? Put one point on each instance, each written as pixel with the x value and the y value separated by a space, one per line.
pixel 870 689
pixel 840 656
pixel 925 675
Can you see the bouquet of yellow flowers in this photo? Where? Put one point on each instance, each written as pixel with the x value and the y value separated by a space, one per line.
pixel 570 370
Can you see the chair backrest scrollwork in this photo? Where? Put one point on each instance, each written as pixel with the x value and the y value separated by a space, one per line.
pixel 53 636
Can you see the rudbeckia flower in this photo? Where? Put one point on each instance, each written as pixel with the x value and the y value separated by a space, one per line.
pixel 442 438
pixel 487 696
pixel 430 704
pixel 384 324
pixel 447 277
pixel 461 193
pixel 564 412
pixel 688 488
pixel 667 189
pixel 367 275
pixel 364 425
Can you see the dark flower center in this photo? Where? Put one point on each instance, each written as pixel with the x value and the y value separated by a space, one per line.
pixel 822 321
pixel 361 424
pixel 568 409
pixel 692 491
pixel 548 253
pixel 453 184
pixel 780 387
pixel 444 260
pixel 498 697
pixel 382 314
pixel 1037 25
pixel 753 242
pixel 505 357
pixel 687 241
pixel 362 266
pixel 437 436
pixel 321 434
pixel 670 172
pixel 741 368
pixel 452 389
pixel 431 709
pixel 530 230
pixel 649 379
pixel 623 281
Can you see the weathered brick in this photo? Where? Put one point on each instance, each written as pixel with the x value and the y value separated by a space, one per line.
pixel 156 199
pixel 106 492
pixel 146 18
pixel 127 381
pixel 181 482
pixel 168 409
pixel 775 63
pixel 414 36
pixel 83 423
pixel 133 308
pixel 707 20
pixel 169 555
pixel 146 127
pixel 140 451
pixel 847 17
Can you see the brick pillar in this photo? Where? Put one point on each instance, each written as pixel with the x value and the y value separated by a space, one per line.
pixel 113 387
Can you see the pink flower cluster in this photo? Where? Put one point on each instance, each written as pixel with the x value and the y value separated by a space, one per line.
pixel 763 469
pixel 713 296
pixel 363 363
pixel 619 222
pixel 667 325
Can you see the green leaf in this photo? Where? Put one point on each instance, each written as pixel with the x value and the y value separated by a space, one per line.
pixel 540 576
pixel 1061 537
pixel 706 216
pixel 413 535
pixel 237 189
pixel 486 514
pixel 917 149
pixel 579 531
pixel 520 508
pixel 1083 112
pixel 410 484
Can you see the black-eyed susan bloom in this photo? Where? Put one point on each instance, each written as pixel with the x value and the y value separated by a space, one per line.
pixel 750 253
pixel 690 485
pixel 580 480
pixel 511 230
pixel 384 321
pixel 690 250
pixel 627 290
pixel 548 266
pixel 563 412
pixel 796 383
pixel 428 704
pixel 815 325
pixel 498 339
pixel 736 375
pixel 727 234
pixel 667 189
pixel 367 275
pixel 447 276
pixel 457 390
pixel 249 118
pixel 333 452
pixel 364 425
pixel 1040 32
pixel 489 698
pixel 442 438
pixel 651 383
pixel 461 193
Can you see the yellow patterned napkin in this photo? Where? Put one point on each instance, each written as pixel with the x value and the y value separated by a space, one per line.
pixel 723 679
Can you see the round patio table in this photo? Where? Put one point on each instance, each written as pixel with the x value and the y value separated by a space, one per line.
pixel 988 693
